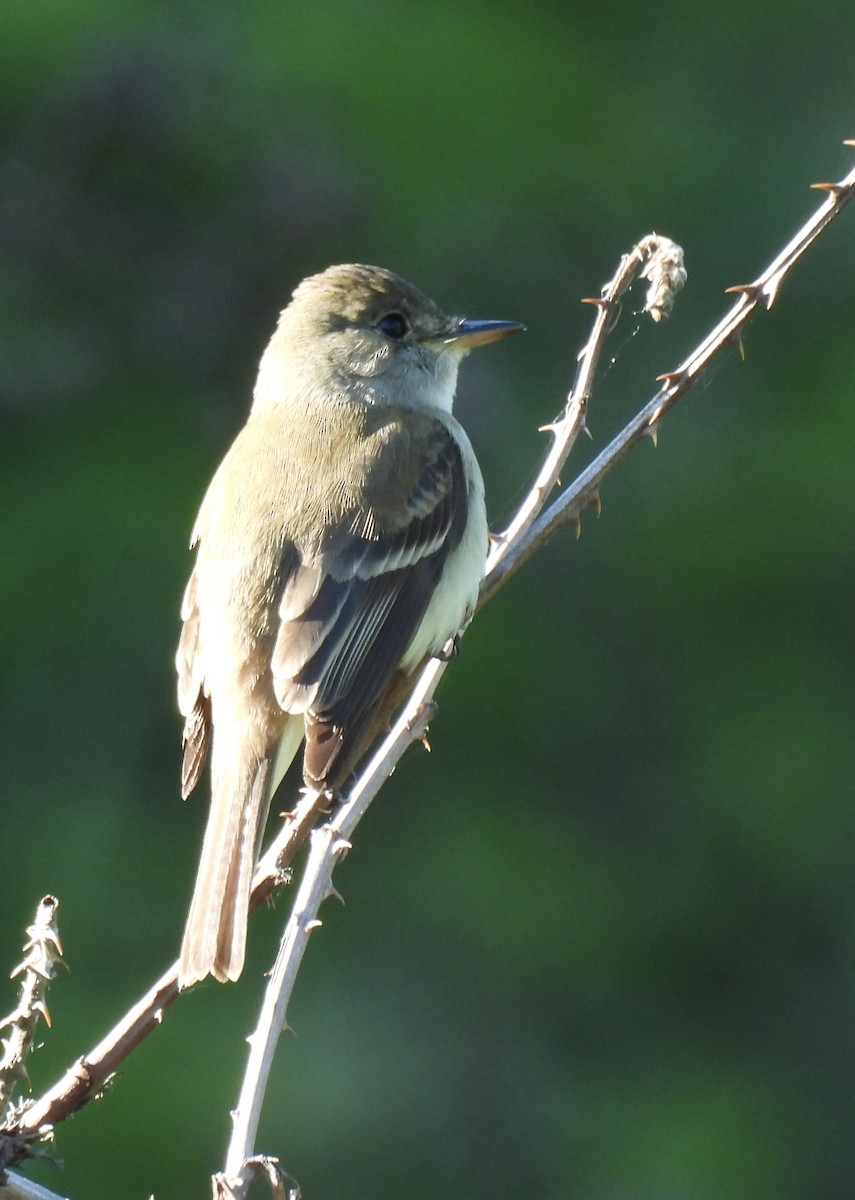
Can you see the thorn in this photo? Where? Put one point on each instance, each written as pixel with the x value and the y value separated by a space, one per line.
pixel 656 416
pixel 497 539
pixel 587 432
pixel 833 189
pixel 158 1016
pixel 334 894
pixel 40 1007
pixel 671 378
pixel 550 427
pixel 341 846
pixel 849 141
pixel 598 301
pixel 751 290
pixel 652 432
pixel 596 504
pixel 315 923
pixel 577 526
pixel 424 741
pixel 740 345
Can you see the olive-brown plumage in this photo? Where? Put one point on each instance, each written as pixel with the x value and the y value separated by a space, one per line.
pixel 341 541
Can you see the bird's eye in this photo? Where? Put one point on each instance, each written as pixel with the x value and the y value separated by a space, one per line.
pixel 394 325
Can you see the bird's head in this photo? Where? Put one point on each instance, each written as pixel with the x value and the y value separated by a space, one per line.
pixel 366 333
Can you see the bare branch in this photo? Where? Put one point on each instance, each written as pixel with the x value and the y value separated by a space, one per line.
pixel 90 1073
pixel 653 257
pixel 42 954
pixel 329 843
pixel 585 489
pixel 661 262
pixel 17 1187
pixel 529 530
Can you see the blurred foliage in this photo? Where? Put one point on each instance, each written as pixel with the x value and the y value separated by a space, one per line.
pixel 602 943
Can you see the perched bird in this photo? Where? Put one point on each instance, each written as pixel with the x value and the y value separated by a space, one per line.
pixel 340 543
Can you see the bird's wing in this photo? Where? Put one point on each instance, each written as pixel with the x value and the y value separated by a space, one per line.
pixel 193 700
pixel 349 612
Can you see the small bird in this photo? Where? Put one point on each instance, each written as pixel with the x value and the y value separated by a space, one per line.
pixel 340 543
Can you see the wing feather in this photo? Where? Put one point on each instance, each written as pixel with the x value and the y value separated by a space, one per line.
pixel 349 614
pixel 193 701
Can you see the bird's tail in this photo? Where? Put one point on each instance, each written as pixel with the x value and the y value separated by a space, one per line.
pixel 215 934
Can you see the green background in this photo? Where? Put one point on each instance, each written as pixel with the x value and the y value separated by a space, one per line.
pixel 601 944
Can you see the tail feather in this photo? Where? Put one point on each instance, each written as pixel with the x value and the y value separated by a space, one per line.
pixel 215 935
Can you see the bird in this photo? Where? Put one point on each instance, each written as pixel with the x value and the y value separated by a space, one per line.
pixel 340 543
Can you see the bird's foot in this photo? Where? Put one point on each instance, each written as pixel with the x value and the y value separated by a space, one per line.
pixel 450 650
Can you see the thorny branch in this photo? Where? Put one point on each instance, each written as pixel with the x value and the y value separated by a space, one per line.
pixel 530 529
pixel 653 258
pixel 42 953
pixel 42 956
pixel 661 262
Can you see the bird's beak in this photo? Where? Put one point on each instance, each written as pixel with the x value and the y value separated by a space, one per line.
pixel 467 334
